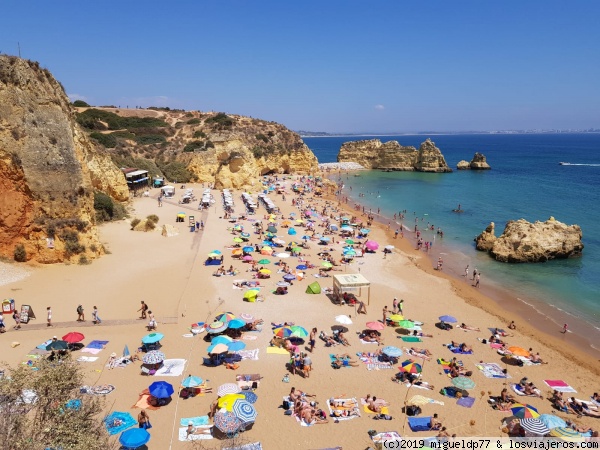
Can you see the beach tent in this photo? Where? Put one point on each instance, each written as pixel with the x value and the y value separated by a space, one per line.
pixel 313 288
pixel 349 283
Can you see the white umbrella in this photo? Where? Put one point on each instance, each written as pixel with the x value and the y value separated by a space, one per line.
pixel 344 320
pixel 282 255
pixel 389 247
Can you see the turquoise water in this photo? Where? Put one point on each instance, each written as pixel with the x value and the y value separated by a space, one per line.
pixel 526 181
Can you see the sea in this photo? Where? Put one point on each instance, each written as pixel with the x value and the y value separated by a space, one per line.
pixel 526 181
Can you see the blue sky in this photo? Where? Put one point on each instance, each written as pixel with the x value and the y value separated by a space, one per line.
pixel 328 65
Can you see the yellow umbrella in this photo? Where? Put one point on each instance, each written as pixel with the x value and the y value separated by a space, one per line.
pixel 265 271
pixel 272 217
pixel 299 221
pixel 396 317
pixel 251 295
pixel 285 222
pixel 228 400
pixel 237 251
pixel 266 251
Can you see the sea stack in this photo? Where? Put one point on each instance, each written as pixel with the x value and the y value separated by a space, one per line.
pixel 523 241
pixel 477 163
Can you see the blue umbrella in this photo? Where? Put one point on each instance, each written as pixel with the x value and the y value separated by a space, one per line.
pixel 346 228
pixel 394 352
pixel 269 243
pixel 221 340
pixel 365 230
pixel 192 381
pixel 218 252
pixel 333 227
pixel 244 411
pixel 118 421
pixel 289 277
pixel 236 345
pixel 292 214
pixel 302 267
pixel 248 249
pixel 152 338
pixel 292 232
pixel 306 238
pixel 448 319
pixel 251 397
pixel 161 389
pixel 134 438
pixel 325 239
pixel 236 323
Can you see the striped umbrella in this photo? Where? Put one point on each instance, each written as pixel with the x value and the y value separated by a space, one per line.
pixel 244 411
pixel 283 332
pixel 463 383
pixel 394 352
pixel 228 388
pixel 227 422
pixel 535 426
pixel 225 317
pixel 251 397
pixel 246 317
pixel 567 434
pixel 153 357
pixel 524 411
pixel 245 235
pixel 216 327
pixel 410 367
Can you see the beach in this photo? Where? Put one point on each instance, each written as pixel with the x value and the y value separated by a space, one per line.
pixel 168 273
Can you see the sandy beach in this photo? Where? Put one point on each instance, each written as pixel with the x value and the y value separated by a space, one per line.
pixel 170 276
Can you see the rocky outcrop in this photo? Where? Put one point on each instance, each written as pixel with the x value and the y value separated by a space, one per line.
pixel 373 154
pixel 479 162
pixel 523 241
pixel 46 185
pixel 463 165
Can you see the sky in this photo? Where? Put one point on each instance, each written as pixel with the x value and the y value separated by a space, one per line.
pixel 327 65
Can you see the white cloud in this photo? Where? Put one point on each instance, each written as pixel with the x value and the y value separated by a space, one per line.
pixel 74 97
pixel 379 107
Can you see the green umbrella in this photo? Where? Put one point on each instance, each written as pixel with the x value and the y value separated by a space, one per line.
pixel 237 239
pixel 463 383
pixel 296 249
pixel 326 264
pixel 406 324
pixel 350 241
pixel 264 261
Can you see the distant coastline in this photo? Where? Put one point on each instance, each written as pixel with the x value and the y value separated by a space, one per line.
pixel 309 134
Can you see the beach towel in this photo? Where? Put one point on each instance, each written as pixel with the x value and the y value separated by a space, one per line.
pixel 248 354
pixel 278 351
pixel 367 342
pixel 379 365
pixel 467 402
pixel 559 385
pixel 421 400
pixel 419 423
pixel 253 446
pixel 384 410
pixel 43 345
pixel 387 436
pixel 38 351
pixel 458 351
pixel 518 389
pixel 171 368
pixel 143 403
pixel 492 370
pixel 344 404
pixel 116 424
pixel 97 344
pixel 87 358
pixel 196 421
pixel 410 338
pixel 423 385
pixel 332 358
pixel 183 436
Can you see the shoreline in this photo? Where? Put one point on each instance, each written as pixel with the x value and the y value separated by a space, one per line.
pixel 504 304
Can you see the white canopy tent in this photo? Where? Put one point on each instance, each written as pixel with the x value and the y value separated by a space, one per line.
pixel 351 282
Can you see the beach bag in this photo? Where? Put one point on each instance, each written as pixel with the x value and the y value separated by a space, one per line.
pixel 286 405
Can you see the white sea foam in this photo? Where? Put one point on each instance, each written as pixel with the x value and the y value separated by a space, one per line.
pixel 9 273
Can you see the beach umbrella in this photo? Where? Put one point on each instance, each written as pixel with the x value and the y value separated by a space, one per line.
pixel 221 340
pixel 192 381
pixel 251 294
pixel 216 327
pixel 73 337
pixel 285 223
pixel 365 231
pixel 552 421
pixel 278 241
pixel 410 367
pixel 567 434
pixel 161 389
pixel 345 320
pixel 325 239
pixel 244 411
pixel 306 238
pixel 327 264
pixel 247 258
pixel 245 235
pixel 228 388
pixel 153 357
pixel 292 231
pixel 57 345
pixel 237 240
pixel 282 255
pixel 518 351
pixel 300 221
pixel 283 284
pixel 236 324
pixel 333 227
pixel 251 397
pixel 524 411
pixel 296 250
pixel 389 247
pixel 346 228
pixel 302 267
pixel 236 252
pixel 283 332
pixel 293 244
pixel 265 271
pixel 227 422
pixel 406 324
pixel 272 229
pixel 264 261
pixel 318 236
pixel 448 319
pixel 152 338
pixel 267 251
pixel 350 253
pixel 218 252
pixel 236 346
pixel 134 438
pixel 350 242
pixel 228 400
pixel 292 214
pixel 238 227
pixel 289 277
pixel 395 317
pixel 372 245
pixel 463 383
pixel 375 326
pixel 534 426
pixel 308 213
pixel 217 349
pixel 248 249
pixel 247 317
pixel 394 352
pixel 270 235
pixel 225 317
pixel 299 331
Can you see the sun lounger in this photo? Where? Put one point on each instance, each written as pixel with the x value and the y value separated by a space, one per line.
pixel 518 389
pixel 419 423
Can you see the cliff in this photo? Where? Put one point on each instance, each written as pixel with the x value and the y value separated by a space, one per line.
pixel 373 154
pixel 48 169
pixel 478 162
pixel 523 241
pixel 228 150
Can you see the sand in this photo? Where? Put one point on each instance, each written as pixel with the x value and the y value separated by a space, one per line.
pixel 168 273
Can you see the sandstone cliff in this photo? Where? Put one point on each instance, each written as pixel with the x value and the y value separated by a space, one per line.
pixel 479 162
pixel 48 169
pixel 373 154
pixel 523 241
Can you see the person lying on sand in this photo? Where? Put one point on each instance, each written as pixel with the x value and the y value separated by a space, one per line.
pixel 422 351
pixel 253 326
pixel 373 405
pixel 468 327
pixel 344 360
pixel 421 334
pixel 371 336
pixel 296 394
pixel 192 430
pixel 329 341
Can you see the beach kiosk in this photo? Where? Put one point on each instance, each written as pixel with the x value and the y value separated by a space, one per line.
pixel 168 191
pixel 350 283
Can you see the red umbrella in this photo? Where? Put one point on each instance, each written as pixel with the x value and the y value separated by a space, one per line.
pixel 375 326
pixel 73 337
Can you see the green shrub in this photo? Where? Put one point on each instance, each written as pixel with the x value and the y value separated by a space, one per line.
pixel 149 226
pixel 134 223
pixel 193 146
pixel 123 135
pixel 199 134
pixel 193 121
pixel 107 140
pixel 153 218
pixel 93 248
pixel 208 145
pixel 20 254
pixel 262 137
pixel 104 203
pixel 150 139
pixel 92 119
pixel 258 152
pixel 119 211
pixel 220 121
pixel 80 104
pixel 83 261
pixel 175 171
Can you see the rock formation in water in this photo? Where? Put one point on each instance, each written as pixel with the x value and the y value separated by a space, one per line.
pixel 373 154
pixel 523 241
pixel 49 170
pixel 477 163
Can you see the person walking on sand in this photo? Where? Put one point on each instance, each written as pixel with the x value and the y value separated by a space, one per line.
pixel 17 318
pixel 80 314
pixel 474 273
pixel 49 316
pixel 311 339
pixel 95 318
pixel 477 278
pixel 385 313
pixel 395 305
pixel 143 310
pixel 401 306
